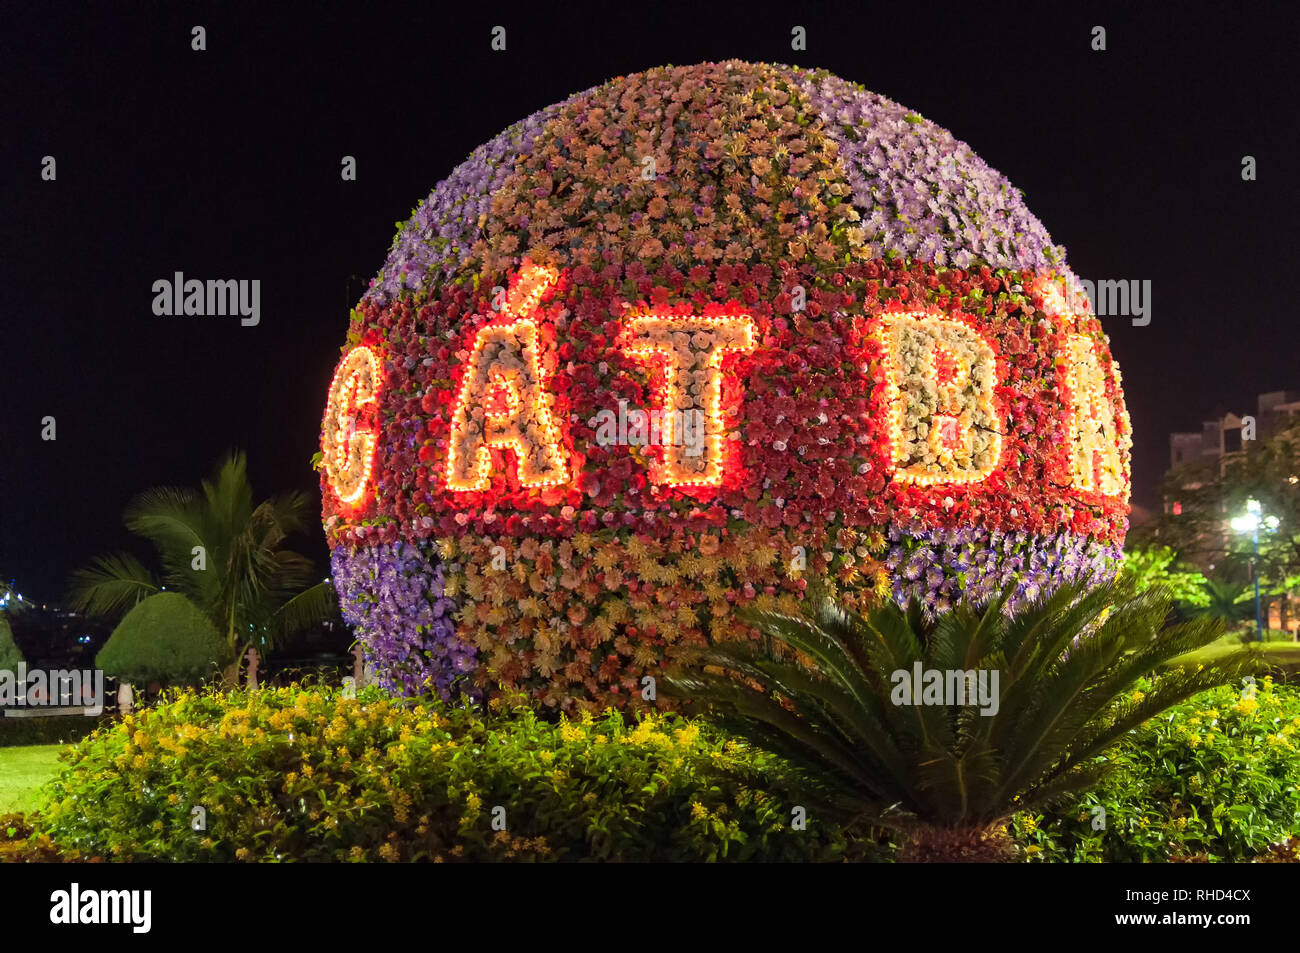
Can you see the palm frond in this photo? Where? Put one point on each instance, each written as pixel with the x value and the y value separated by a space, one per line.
pixel 171 519
pixel 110 586
pixel 312 606
pixel 247 580
pixel 1065 663
pixel 722 691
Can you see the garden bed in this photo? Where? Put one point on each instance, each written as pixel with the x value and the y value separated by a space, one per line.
pixel 308 774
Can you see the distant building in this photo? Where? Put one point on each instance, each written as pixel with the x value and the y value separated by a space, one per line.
pixel 1220 437
pixel 1204 455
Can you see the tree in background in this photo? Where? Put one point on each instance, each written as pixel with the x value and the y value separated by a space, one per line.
pixel 1147 566
pixel 1268 471
pixel 10 656
pixel 1232 603
pixel 224 553
pixel 1209 494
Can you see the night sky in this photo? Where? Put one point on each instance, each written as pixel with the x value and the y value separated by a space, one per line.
pixel 225 164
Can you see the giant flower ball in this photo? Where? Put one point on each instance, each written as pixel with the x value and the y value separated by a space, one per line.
pixel 685 342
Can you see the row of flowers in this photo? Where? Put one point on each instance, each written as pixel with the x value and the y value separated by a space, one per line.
pixel 590 617
pixel 806 412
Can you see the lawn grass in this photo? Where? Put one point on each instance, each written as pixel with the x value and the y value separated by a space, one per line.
pixel 1284 655
pixel 22 772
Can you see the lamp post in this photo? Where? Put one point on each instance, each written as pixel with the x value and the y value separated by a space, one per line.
pixel 1250 522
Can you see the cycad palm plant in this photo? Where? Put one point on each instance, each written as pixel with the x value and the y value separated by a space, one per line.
pixel 1229 601
pixel 944 774
pixel 223 552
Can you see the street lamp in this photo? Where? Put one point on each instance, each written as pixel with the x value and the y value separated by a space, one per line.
pixel 1250 522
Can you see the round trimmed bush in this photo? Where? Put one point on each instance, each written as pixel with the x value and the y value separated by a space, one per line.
pixel 165 638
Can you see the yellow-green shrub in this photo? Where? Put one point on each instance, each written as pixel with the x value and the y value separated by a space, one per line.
pixel 1217 778
pixel 293 774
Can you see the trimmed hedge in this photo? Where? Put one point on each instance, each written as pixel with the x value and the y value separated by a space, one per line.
pixel 52 730
pixel 164 638
pixel 292 774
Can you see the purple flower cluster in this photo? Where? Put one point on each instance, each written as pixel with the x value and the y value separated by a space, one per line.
pixel 920 191
pixel 941 566
pixel 392 595
pixel 439 236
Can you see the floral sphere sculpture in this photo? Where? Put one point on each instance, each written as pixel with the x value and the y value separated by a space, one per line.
pixel 683 342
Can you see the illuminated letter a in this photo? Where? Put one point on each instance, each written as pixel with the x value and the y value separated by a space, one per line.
pixel 503 401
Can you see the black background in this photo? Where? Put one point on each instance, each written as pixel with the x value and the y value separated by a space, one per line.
pixel 712 907
pixel 225 164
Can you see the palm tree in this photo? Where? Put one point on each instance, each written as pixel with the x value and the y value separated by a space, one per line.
pixel 221 551
pixel 1229 601
pixel 944 774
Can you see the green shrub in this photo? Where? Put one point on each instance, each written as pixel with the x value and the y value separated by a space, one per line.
pixel 1270 635
pixel 1218 775
pixel 291 774
pixel 1151 566
pixel 10 657
pixel 164 638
